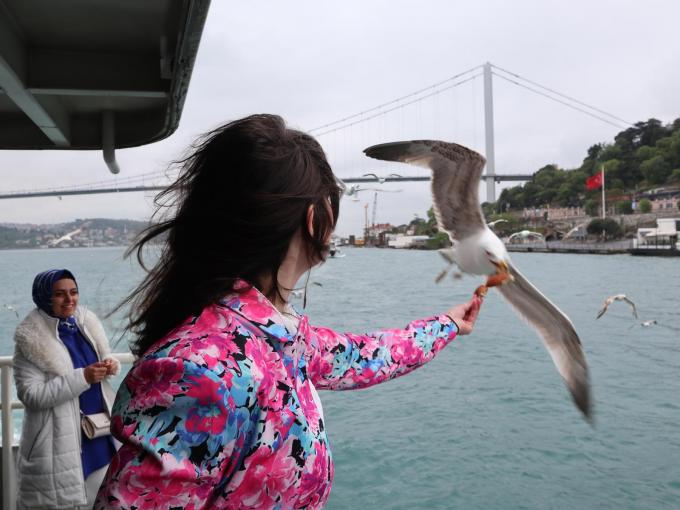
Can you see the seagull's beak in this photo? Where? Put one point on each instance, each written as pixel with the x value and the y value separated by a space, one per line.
pixel 502 266
pixel 503 269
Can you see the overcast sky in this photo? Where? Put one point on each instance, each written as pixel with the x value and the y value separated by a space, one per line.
pixel 314 62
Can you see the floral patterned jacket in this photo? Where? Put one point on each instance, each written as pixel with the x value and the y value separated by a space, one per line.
pixel 222 412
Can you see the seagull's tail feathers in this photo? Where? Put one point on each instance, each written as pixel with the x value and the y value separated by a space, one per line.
pixel 558 335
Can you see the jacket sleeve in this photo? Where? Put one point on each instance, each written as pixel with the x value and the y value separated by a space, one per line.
pixel 341 361
pixel 38 390
pixel 96 329
pixel 184 429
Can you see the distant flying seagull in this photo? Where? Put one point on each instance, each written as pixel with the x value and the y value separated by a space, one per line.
pixel 653 322
pixel 492 224
pixel 381 180
pixel 300 293
pixel 617 297
pixel 525 234
pixel 573 231
pixel 12 309
pixel 354 189
pixel 456 171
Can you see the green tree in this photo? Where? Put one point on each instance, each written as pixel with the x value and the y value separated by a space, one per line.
pixel 656 170
pixel 624 207
pixel 592 207
pixel 645 206
pixel 608 227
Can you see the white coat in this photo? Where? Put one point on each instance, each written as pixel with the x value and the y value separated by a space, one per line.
pixel 49 466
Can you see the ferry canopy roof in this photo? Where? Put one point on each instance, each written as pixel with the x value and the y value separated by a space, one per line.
pixel 93 74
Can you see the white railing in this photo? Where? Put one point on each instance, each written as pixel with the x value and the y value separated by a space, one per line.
pixel 6 383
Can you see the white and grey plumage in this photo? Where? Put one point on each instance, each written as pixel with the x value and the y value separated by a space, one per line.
pixel 456 171
pixel 12 309
pixel 617 297
pixel 525 234
pixel 492 224
pixel 354 189
pixel 573 231
pixel 381 180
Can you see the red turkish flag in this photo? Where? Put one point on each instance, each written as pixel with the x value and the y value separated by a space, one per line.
pixel 595 181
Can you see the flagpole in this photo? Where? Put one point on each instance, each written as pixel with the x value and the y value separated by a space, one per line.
pixel 604 206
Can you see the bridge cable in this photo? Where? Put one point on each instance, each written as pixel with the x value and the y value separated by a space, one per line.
pixel 558 101
pixel 397 100
pixel 561 95
pixel 402 105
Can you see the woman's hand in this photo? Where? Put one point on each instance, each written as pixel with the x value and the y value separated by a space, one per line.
pixel 110 366
pixel 96 372
pixel 465 315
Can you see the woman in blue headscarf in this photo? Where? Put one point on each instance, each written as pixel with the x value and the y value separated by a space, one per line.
pixel 61 364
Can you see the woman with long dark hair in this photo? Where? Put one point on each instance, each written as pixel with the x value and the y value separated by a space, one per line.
pixel 221 409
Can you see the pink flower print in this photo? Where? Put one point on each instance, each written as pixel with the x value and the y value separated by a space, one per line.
pixel 268 476
pixel 205 351
pixel 211 319
pixel 264 372
pixel 315 486
pixel 210 415
pixel 119 429
pixel 124 477
pixel 153 382
pixel 309 408
pixel 405 352
pixel 256 310
pixel 154 484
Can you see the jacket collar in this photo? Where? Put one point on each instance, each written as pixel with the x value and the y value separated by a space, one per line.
pixel 251 304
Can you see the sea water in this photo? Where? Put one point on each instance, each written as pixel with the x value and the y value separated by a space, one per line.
pixel 488 424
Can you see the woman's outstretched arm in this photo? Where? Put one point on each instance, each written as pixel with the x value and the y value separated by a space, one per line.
pixel 339 361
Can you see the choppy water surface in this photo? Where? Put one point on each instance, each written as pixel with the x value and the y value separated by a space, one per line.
pixel 488 424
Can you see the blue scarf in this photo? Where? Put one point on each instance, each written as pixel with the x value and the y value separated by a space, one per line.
pixel 95 453
pixel 42 288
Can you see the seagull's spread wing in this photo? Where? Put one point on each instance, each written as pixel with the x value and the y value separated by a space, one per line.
pixel 441 275
pixel 557 333
pixel 603 309
pixel 632 305
pixel 455 180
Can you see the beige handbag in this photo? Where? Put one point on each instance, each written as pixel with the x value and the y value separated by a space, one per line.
pixel 96 425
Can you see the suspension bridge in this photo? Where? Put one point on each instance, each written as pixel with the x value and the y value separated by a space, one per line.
pixel 344 138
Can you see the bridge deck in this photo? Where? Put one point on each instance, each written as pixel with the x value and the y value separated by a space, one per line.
pixel 129 189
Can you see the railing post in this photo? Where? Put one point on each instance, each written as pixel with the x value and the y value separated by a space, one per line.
pixel 8 475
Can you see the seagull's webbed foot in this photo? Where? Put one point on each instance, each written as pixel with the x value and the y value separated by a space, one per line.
pixel 500 277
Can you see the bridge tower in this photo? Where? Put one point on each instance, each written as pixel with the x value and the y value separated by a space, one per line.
pixel 488 132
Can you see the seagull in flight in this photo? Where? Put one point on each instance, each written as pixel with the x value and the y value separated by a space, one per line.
pixel 617 297
pixel 381 180
pixel 456 171
pixel 492 224
pixel 525 234
pixel 12 309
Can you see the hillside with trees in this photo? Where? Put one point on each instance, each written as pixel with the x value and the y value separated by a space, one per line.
pixel 642 157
